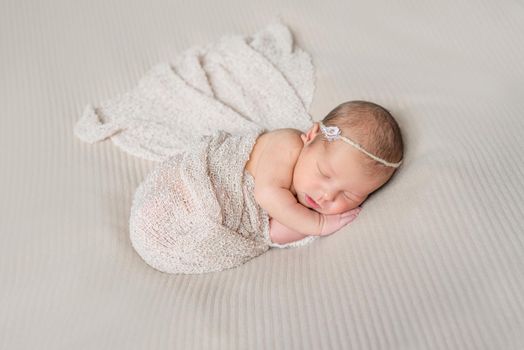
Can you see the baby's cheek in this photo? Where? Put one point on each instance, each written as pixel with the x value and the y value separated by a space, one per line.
pixel 334 208
pixel 345 205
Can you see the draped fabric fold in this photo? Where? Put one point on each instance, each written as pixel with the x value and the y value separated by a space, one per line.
pixel 238 85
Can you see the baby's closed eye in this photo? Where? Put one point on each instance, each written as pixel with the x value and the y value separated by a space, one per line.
pixel 348 196
pixel 321 173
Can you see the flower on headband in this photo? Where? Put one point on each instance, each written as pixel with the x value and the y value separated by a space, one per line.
pixel 331 133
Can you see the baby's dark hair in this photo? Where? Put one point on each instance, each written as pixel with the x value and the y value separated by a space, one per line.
pixel 374 128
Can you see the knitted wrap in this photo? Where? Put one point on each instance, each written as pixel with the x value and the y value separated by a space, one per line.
pixel 196 212
pixel 238 84
pixel 199 117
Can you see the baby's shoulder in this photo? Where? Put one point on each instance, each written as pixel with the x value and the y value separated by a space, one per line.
pixel 285 139
pixel 277 148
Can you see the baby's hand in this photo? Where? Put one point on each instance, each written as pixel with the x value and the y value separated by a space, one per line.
pixel 332 223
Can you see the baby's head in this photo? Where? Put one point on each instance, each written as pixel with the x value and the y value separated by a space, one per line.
pixel 338 176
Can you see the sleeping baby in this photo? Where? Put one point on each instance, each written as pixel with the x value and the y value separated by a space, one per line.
pixel 313 183
pixel 231 197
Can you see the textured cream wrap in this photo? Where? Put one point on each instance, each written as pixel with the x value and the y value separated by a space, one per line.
pixel 196 212
pixel 238 84
pixel 199 116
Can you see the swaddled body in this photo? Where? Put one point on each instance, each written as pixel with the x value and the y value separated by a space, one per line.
pixel 196 211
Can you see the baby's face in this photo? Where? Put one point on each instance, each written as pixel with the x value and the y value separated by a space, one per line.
pixel 330 179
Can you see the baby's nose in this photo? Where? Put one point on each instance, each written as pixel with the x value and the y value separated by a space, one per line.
pixel 328 196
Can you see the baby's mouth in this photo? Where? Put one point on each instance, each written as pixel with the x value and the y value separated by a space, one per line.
pixel 311 202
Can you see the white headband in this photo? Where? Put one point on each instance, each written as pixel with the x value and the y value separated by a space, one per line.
pixel 332 133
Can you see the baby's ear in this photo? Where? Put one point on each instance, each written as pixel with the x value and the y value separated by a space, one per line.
pixel 311 133
pixel 303 137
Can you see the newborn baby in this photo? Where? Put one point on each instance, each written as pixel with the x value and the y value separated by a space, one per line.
pixel 230 197
pixel 313 183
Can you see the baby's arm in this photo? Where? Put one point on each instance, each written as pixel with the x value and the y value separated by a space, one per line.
pixel 281 234
pixel 273 180
pixel 300 219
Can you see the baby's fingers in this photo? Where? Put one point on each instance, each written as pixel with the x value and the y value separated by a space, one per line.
pixel 344 220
